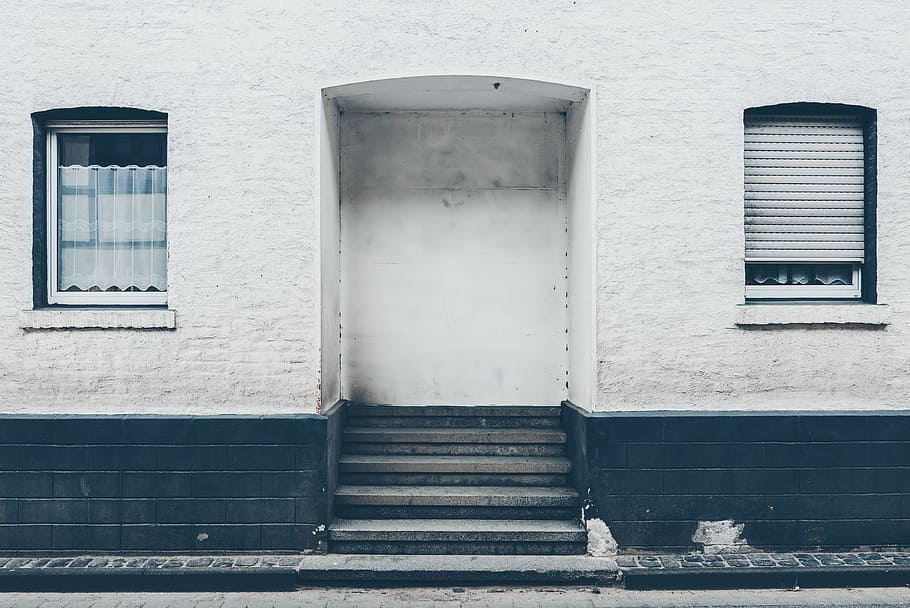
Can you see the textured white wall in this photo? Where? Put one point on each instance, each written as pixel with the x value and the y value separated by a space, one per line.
pixel 239 82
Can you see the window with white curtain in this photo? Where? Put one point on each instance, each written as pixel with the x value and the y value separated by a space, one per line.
pixel 107 213
pixel 805 205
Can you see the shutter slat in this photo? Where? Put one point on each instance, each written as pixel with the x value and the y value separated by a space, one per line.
pixel 804 212
pixel 804 188
pixel 780 229
pixel 800 163
pixel 771 221
pixel 800 186
pixel 805 196
pixel 803 179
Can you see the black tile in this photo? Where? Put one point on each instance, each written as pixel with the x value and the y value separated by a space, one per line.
pixel 295 430
pixel 121 458
pixel 730 455
pixel 866 506
pixel 310 455
pixel 228 429
pixel 905 454
pixel 798 455
pixel 832 534
pixel 606 429
pixel 661 455
pixel 765 481
pixel 260 510
pixel 833 481
pixel 86 538
pixel 294 537
pixel 771 534
pixel 191 457
pixel 78 429
pixel 225 484
pixel 26 484
pixel 139 537
pixel 53 511
pixel 295 484
pixel 152 430
pixel 867 454
pixel 86 485
pixel 203 537
pixel 666 508
pixel 26 429
pixel 894 479
pixel 826 427
pixel 698 428
pixel 765 428
pixel 610 454
pixel 9 457
pixel 888 533
pixel 142 484
pixel 653 535
pixel 607 507
pixel 889 427
pixel 697 481
pixel 121 510
pixel 190 511
pixel 52 457
pixel 260 458
pixel 20 537
pixel 9 510
pixel 626 481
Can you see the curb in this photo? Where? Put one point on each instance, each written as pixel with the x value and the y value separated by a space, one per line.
pixel 766 578
pixel 147 579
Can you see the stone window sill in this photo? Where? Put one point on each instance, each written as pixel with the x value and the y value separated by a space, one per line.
pixel 98 318
pixel 761 316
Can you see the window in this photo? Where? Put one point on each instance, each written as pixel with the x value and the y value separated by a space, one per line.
pixel 809 203
pixel 106 213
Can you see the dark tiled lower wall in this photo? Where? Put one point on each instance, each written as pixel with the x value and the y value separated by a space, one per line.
pixel 796 480
pixel 159 483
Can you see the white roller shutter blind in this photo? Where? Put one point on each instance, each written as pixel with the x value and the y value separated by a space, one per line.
pixel 804 189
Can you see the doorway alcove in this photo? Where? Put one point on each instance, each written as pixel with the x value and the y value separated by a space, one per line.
pixel 457 257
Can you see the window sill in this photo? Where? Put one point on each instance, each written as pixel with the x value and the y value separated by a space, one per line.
pixel 105 318
pixel 762 316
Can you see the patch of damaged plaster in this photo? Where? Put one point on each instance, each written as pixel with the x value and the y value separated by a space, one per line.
pixel 600 540
pixel 722 536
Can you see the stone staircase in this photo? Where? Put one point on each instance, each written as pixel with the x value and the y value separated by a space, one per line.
pixel 455 480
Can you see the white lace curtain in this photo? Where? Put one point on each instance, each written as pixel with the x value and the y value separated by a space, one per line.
pixel 112 228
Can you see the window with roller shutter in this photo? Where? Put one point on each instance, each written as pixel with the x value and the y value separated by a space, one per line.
pixel 809 203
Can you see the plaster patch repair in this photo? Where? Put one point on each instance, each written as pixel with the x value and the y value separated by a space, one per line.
pixel 600 540
pixel 723 536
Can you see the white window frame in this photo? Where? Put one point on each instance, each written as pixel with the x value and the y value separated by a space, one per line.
pixel 88 298
pixel 816 292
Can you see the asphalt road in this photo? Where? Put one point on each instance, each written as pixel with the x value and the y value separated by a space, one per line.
pixel 588 597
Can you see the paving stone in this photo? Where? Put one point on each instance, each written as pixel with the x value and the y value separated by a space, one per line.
pixel 154 562
pixel 246 562
pixel 98 562
pixel 627 561
pixel 692 564
pixel 223 562
pixel 80 562
pixel 901 560
pixel 137 562
pixel 738 562
pixel 18 562
pixel 827 559
pixel 117 562
pixel 172 563
pixel 762 561
pixel 59 563
pixel 38 563
pixel 3 561
pixel 199 562
pixel 850 559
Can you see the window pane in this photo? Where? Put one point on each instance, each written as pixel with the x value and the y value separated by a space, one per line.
pixel 111 214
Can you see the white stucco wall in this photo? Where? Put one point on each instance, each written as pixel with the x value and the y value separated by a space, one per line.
pixel 239 82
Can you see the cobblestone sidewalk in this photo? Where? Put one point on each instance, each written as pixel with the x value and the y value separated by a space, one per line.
pixel 763 560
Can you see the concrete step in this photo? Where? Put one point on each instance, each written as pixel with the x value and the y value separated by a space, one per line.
pixel 456 422
pixel 434 512
pixel 453 410
pixel 476 496
pixel 456 449
pixel 453 479
pixel 381 463
pixel 359 434
pixel 462 549
pixel 457 530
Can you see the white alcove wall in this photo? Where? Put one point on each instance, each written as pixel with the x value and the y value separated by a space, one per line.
pixel 399 322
